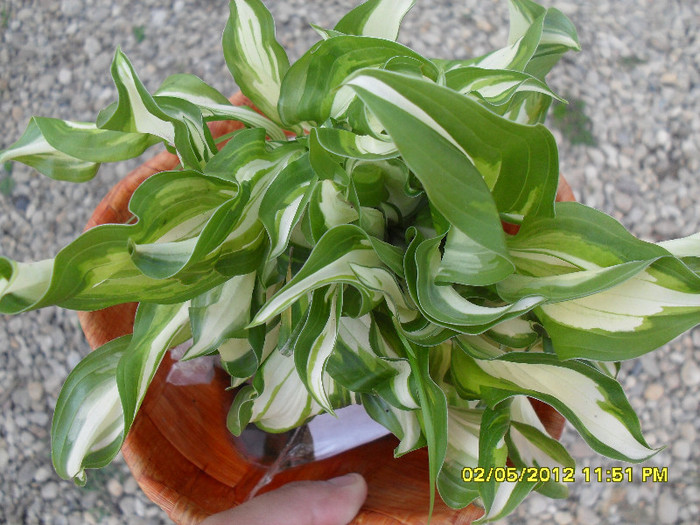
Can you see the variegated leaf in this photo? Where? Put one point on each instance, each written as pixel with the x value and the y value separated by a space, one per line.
pixel 507 497
pixel 464 261
pixel 328 207
pixel 359 366
pixel 414 112
pixel 684 247
pixel 256 60
pixel 382 281
pixel 606 284
pixel 73 151
pixel 558 34
pixel 175 120
pixel 530 445
pixel 480 346
pixel 328 263
pixel 495 86
pixel 493 453
pixel 309 97
pixel 87 430
pixel 367 183
pixel 445 306
pixel 433 413
pixel 278 400
pixel 514 333
pixel 233 239
pixel 403 424
pixel 136 111
pixel 190 242
pixel 242 357
pixel 220 314
pixel 96 270
pixel 463 426
pixel 23 284
pixel 628 320
pixel 215 106
pixel 376 18
pixel 156 329
pixel 326 165
pixel 528 108
pixel 325 33
pixel 515 56
pixel 347 144
pixel 590 400
pixel 687 249
pixel 285 201
pixel 316 341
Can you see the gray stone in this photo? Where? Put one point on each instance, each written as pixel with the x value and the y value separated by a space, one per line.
pixel 663 139
pixel 4 458
pixel 130 486
pixel 690 374
pixel 65 76
pixel 623 202
pixel 49 490
pixel 128 505
pixel 42 474
pixel 589 495
pixel 115 488
pixel 76 519
pixel 681 449
pixel 91 46
pixel 666 229
pixel 159 17
pixel 537 504
pixel 20 399
pixel 632 494
pixel 587 516
pixel 688 432
pixel 692 493
pixel 71 7
pixel 690 403
pixel 35 391
pixel 654 392
pixel 667 509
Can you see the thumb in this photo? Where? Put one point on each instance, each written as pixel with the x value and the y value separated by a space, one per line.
pixel 332 502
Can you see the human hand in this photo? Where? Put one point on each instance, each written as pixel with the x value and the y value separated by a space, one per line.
pixel 332 502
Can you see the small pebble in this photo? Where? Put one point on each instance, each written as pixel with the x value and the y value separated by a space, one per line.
pixel 49 490
pixel 65 76
pixel 681 449
pixel 690 373
pixel 654 392
pixel 35 391
pixel 667 509
pixel 115 488
pixel 42 474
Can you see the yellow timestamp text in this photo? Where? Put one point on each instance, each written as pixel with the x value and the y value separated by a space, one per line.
pixel 563 474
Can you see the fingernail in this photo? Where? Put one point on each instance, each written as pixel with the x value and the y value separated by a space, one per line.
pixel 344 481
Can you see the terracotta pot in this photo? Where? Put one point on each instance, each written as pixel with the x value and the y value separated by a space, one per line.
pixel 182 455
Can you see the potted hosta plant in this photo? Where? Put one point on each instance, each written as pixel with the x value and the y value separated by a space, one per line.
pixel 380 229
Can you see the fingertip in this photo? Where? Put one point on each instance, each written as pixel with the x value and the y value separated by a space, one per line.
pixel 333 502
pixel 347 480
pixel 350 492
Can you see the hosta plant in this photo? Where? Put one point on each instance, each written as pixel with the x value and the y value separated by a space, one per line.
pixel 347 246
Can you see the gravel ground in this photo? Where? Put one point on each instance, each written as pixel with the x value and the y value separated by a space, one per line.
pixel 635 87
